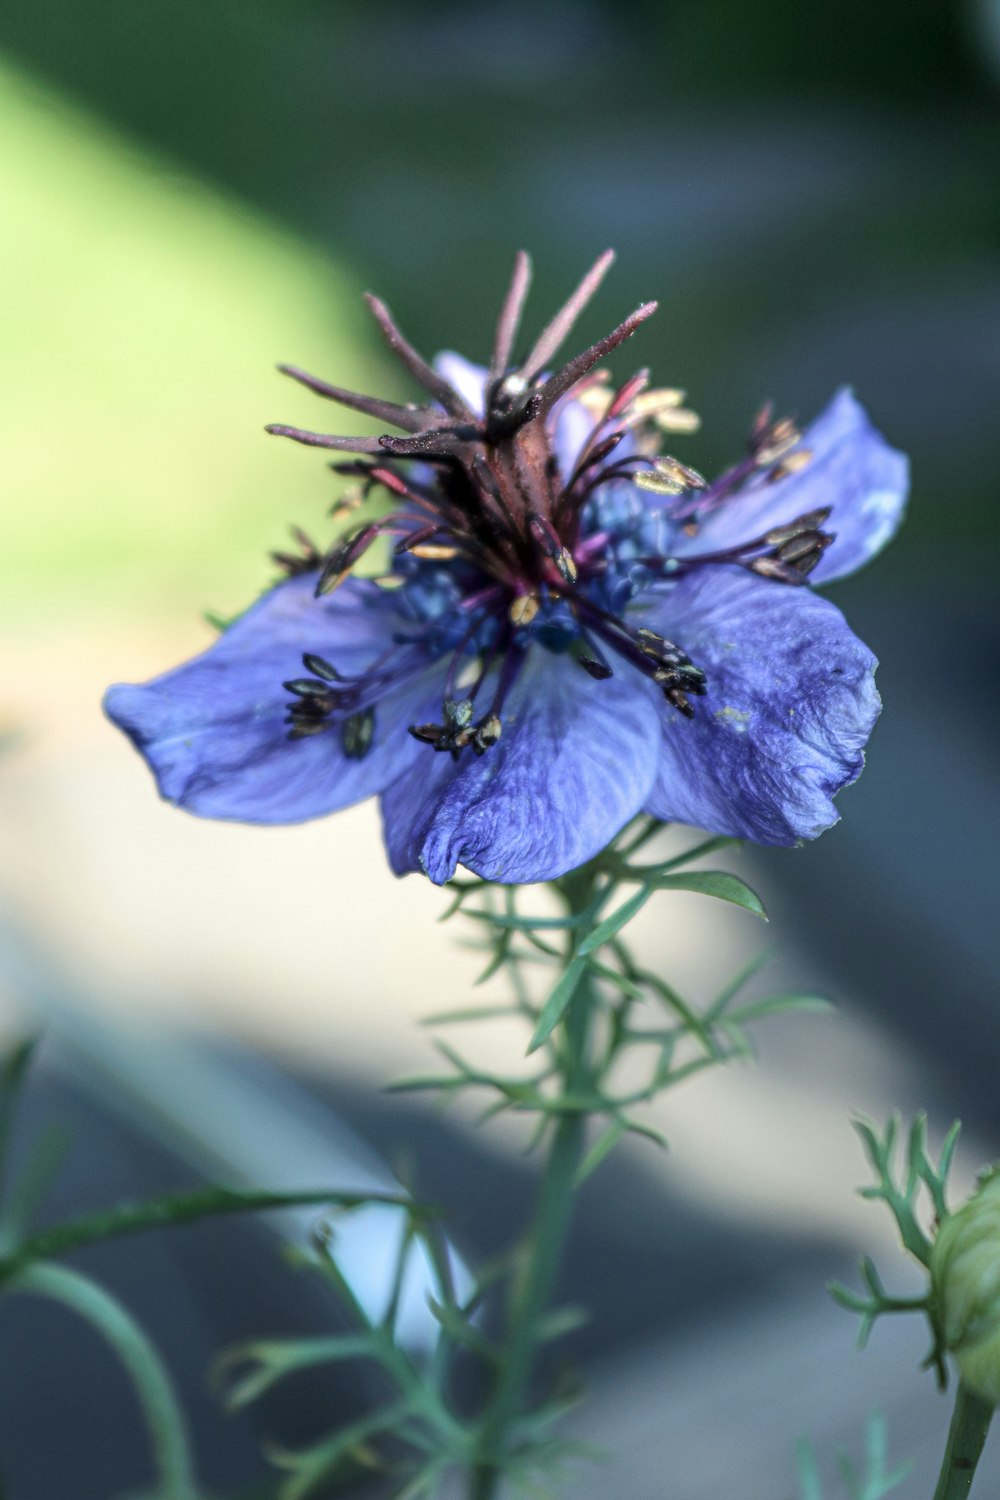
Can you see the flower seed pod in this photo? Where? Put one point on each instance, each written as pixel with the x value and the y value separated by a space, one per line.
pixel 965 1277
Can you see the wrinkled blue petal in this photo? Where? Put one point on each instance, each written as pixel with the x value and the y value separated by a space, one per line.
pixel 852 469
pixel 213 730
pixel 575 763
pixel 791 702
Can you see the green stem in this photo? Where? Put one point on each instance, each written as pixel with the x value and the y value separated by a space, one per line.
pixel 553 1214
pixel 970 1423
pixel 177 1208
pixel 149 1377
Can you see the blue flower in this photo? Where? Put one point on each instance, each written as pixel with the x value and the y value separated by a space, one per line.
pixel 575 629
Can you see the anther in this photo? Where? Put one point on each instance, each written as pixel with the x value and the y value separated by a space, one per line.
pixel 771 567
pixel 458 712
pixel 565 565
pixel 799 547
pixel 487 734
pixel 319 667
pixel 792 464
pixel 357 733
pixel 775 442
pixel 811 521
pixel 307 687
pixel 434 552
pixel 342 559
pixel 304 561
pixel 523 610
pixel 351 499
pixel 669 476
pixel 597 669
pixel 301 728
pixel 547 538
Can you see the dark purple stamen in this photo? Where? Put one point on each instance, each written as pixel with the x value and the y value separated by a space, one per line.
pixel 499 510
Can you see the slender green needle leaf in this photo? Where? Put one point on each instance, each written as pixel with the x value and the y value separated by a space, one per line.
pixel 424 1083
pixel 460 1331
pixel 317 1464
pixel 622 982
pixel 777 1005
pixel 541 946
pixel 611 926
pixel 600 1150
pixel 937 1182
pixel 268 1361
pixel 513 921
pixel 739 980
pixel 27 1194
pixel 537 1135
pixel 560 1322
pixel 425 1482
pixel 498 960
pixel 948 1149
pixel 635 1127
pixel 470 1013
pixel 181 1208
pixel 810 1485
pixel 717 883
pixel 555 1006
pixel 648 830
pixel 460 890
pixel 14 1067
pixel 146 1370
pixel 699 851
pixel 680 1007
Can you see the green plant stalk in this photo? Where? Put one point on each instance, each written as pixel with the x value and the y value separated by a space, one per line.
pixel 970 1423
pixel 553 1214
pixel 148 1374
pixel 175 1208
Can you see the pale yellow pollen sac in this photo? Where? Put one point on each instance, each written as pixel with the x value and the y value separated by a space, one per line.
pixel 489 731
pixel 782 437
pixel 669 477
pixel 523 609
pixel 567 565
pixel 664 407
pixel 434 552
pixel 793 463
pixel 678 419
pixel 389 581
pixel 650 403
pixel 351 499
pixel 595 399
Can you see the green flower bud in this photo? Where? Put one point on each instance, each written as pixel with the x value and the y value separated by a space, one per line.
pixel 965 1279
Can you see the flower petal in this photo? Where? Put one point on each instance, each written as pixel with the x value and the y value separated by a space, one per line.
pixel 575 763
pixel 852 469
pixel 790 704
pixel 468 379
pixel 213 730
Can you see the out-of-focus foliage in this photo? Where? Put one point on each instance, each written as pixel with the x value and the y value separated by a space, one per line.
pixel 812 191
pixel 142 317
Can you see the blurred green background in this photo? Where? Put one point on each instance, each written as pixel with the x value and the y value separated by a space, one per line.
pixel 191 191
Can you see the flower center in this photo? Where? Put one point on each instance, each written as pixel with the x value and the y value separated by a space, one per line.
pixel 500 541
